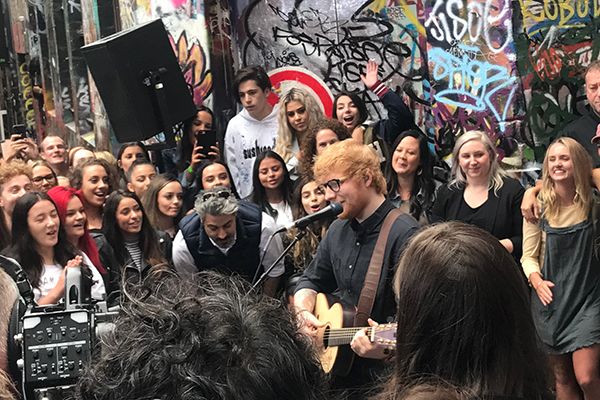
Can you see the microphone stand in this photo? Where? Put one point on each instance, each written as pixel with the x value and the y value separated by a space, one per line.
pixel 265 275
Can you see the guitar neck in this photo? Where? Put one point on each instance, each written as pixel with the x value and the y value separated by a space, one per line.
pixel 382 334
pixel 339 337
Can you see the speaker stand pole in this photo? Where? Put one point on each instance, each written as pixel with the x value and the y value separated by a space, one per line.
pixel 159 89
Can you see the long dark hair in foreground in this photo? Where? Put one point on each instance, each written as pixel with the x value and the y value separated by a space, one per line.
pixel 464 317
pixel 202 338
pixel 23 245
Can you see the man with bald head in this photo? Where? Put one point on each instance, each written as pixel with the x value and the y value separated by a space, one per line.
pixel 54 152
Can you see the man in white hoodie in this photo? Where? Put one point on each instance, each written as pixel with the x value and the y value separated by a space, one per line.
pixel 253 130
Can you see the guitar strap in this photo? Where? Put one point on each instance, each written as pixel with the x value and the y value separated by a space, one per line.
pixel 369 290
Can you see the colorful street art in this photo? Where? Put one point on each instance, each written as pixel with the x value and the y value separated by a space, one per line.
pixel 509 68
pixel 556 42
pixel 185 24
pixel 473 71
pixel 193 63
pixel 335 41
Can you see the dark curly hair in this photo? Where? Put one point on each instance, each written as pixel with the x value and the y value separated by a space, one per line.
pixel 205 337
pixel 77 176
pixel 309 143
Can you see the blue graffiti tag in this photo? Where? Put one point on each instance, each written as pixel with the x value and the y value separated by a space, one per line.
pixel 472 84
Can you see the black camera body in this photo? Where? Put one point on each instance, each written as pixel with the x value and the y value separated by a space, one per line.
pixel 56 345
pixel 53 344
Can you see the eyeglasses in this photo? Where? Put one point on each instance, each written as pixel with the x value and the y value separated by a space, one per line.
pixel 47 178
pixel 223 194
pixel 333 184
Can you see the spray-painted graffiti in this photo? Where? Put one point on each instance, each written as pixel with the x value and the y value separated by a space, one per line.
pixel 186 27
pixel 336 43
pixel 556 42
pixel 472 66
pixel 192 61
pixel 472 84
pixel 27 91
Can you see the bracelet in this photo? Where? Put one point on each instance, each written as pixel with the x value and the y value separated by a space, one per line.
pixel 190 170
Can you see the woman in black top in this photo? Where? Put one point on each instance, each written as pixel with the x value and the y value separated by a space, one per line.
pixel 481 194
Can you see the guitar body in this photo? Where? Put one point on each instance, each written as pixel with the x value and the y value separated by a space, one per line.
pixel 335 359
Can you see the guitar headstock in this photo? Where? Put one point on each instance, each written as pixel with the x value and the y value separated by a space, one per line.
pixel 384 335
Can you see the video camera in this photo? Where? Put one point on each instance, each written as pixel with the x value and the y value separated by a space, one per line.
pixel 52 344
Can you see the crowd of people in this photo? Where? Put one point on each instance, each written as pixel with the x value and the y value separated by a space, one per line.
pixel 498 298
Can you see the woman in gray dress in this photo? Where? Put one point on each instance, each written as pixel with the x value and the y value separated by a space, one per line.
pixel 560 259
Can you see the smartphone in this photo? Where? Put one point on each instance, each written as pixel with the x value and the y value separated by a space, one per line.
pixel 18 132
pixel 206 139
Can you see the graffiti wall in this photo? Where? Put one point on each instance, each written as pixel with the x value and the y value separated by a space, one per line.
pixel 509 68
pixel 335 40
pixel 555 43
pixel 184 20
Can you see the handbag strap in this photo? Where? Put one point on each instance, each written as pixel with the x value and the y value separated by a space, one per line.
pixel 369 290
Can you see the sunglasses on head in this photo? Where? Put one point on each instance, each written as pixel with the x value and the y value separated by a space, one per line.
pixel 223 194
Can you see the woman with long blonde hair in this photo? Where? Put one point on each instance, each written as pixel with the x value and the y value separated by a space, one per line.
pixel 480 193
pixel 560 260
pixel 298 112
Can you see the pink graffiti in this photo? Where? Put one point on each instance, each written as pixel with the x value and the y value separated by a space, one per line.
pixel 193 65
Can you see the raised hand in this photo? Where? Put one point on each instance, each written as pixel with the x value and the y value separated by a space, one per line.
pixel 370 78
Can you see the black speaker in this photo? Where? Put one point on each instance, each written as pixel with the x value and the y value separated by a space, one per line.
pixel 126 67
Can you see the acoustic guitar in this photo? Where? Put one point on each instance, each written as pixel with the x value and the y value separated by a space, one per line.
pixel 333 340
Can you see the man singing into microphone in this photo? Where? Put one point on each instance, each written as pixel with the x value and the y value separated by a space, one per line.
pixel 349 173
pixel 227 236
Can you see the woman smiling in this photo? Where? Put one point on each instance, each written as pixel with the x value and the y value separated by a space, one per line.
pixel 481 194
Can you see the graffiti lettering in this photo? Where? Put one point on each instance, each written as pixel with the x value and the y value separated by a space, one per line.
pixel 447 24
pixel 27 89
pixel 472 84
pixel 307 18
pixel 541 15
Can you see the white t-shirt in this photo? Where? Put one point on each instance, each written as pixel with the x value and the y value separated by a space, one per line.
pixel 51 275
pixel 284 213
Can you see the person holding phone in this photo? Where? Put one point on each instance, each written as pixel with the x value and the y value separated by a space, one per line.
pixel 19 147
pixel 199 143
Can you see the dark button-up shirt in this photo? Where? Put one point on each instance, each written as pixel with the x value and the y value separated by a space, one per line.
pixel 583 130
pixel 343 256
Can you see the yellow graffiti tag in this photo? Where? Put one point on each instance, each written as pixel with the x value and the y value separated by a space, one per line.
pixel 412 18
pixel 561 11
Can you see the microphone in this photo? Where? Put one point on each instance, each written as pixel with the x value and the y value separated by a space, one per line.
pixel 330 211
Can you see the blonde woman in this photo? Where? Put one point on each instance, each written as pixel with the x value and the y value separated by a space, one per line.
pixel 480 194
pixel 560 260
pixel 298 112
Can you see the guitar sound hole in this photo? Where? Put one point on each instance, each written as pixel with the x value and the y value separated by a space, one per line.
pixel 326 337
